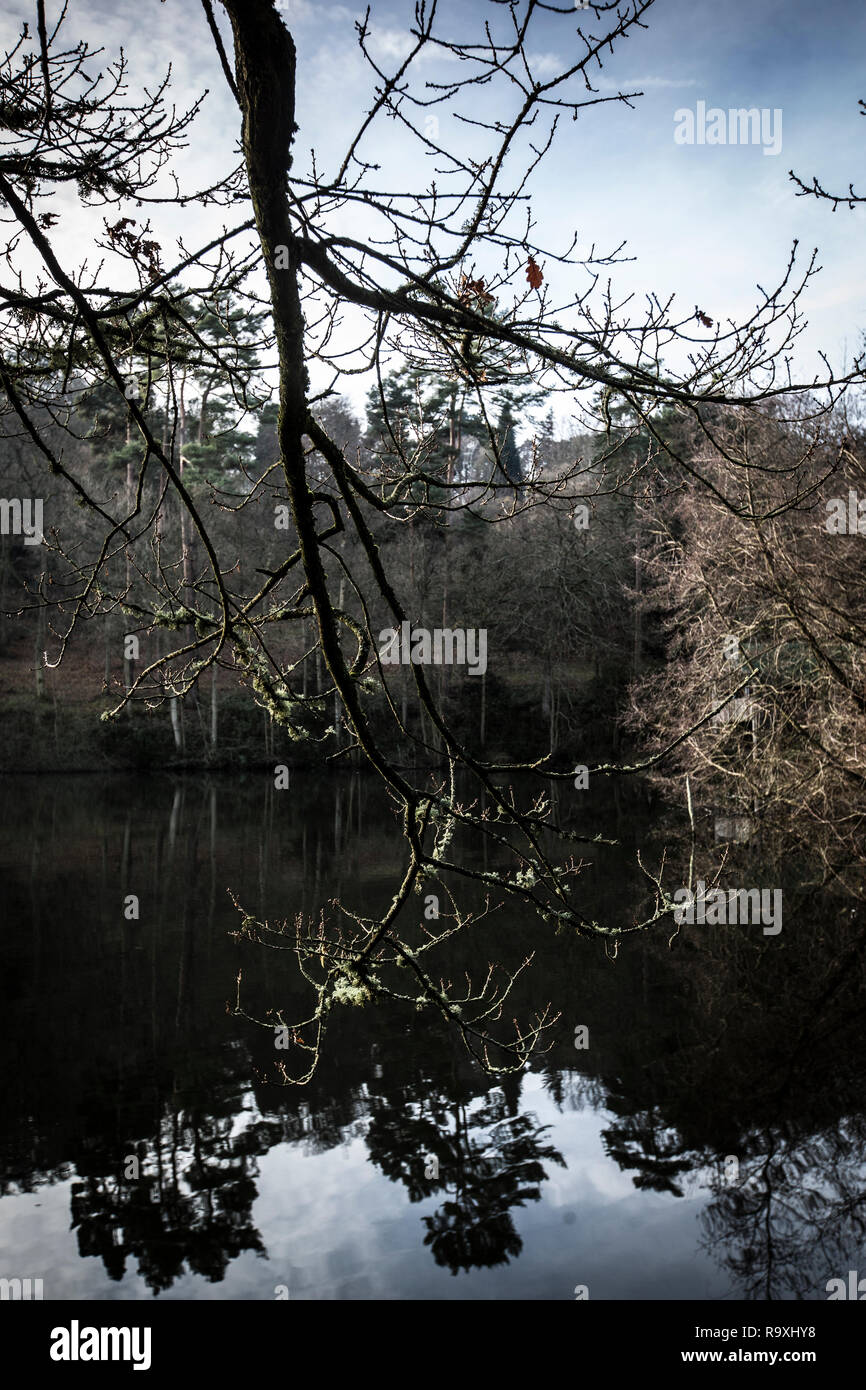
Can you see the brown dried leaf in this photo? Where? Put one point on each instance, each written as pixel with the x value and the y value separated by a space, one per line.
pixel 534 273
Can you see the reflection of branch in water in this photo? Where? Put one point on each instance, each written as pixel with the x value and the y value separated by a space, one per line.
pixel 359 961
pixel 765 1066
pixel 797 1216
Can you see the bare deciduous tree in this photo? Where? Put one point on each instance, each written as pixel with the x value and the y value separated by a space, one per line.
pixel 448 270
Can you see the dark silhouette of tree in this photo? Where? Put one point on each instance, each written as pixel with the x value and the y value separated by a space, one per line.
pixel 451 273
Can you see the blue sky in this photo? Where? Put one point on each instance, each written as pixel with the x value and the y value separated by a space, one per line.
pixel 706 223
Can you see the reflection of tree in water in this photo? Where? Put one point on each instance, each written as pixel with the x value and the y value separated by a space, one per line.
pixel 765 1067
pixel 190 1209
pixel 727 1043
pixel 151 1064
pixel 474 1227
pixel 191 1205
pixel 643 1141
pixel 488 1160
pixel 795 1215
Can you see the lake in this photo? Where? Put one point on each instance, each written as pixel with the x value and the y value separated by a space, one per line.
pixel 709 1142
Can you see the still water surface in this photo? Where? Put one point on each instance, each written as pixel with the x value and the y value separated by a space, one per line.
pixel 608 1167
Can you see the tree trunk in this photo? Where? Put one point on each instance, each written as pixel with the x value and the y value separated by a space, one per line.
pixel 483 727
pixel 177 709
pixel 265 66
pixel 38 644
pixel 184 515
pixel 548 705
pixel 638 642
pixel 202 411
pixel 336 692
pixel 176 712
pixel 4 584
pixel 214 708
pixel 128 661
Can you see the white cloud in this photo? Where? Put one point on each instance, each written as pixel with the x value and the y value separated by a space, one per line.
pixel 638 84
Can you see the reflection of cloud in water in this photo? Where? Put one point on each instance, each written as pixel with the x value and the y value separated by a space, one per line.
pixel 699 1050
pixel 592 1222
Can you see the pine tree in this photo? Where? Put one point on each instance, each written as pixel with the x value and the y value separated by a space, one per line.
pixel 509 455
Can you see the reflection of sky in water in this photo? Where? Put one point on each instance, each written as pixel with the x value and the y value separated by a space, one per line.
pixel 336 1228
pixel 698 1051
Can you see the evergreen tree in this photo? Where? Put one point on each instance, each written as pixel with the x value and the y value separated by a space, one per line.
pixel 509 455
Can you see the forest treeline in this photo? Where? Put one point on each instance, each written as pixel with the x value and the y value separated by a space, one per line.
pixel 701 601
pixel 549 586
